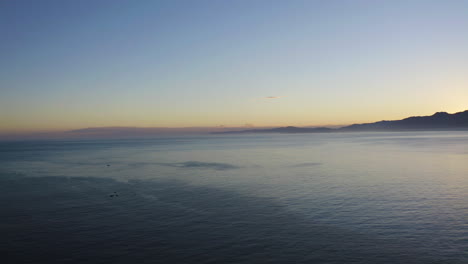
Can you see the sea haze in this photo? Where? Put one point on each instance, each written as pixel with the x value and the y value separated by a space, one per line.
pixel 380 197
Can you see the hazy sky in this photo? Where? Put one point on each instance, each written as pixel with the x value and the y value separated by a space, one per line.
pixel 74 64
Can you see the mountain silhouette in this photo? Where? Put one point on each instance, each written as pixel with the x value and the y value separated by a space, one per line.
pixel 288 129
pixel 437 121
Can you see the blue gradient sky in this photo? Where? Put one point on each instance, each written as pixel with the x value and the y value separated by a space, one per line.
pixel 73 64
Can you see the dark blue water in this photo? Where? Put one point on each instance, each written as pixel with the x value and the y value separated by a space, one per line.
pixel 312 198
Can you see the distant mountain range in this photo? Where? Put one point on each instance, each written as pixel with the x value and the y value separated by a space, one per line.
pixel 437 121
pixel 288 129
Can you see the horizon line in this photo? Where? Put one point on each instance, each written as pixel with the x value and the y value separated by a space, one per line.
pixel 100 131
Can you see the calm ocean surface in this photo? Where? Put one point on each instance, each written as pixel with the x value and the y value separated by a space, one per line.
pixel 302 198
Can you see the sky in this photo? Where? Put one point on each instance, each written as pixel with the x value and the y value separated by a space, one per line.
pixel 95 63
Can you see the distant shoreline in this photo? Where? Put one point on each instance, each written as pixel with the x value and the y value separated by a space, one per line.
pixel 440 121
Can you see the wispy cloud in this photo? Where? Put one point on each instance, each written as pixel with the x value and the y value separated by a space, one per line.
pixel 273 97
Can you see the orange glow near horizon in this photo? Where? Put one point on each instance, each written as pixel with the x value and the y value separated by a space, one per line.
pixel 230 64
pixel 327 121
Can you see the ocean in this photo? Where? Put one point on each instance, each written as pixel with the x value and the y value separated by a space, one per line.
pixel 399 197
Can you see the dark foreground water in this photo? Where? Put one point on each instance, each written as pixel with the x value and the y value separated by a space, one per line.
pixel 311 198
